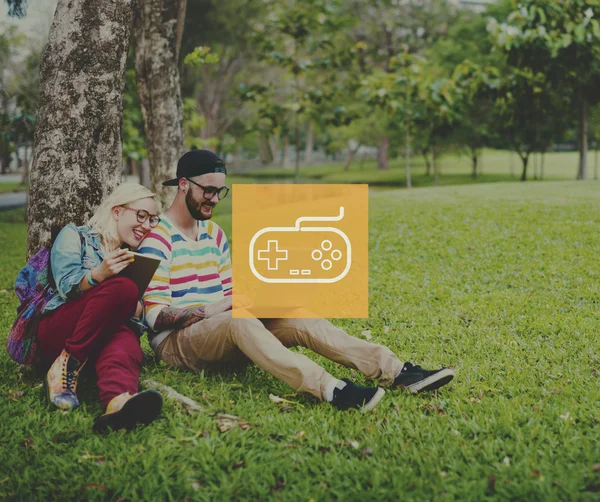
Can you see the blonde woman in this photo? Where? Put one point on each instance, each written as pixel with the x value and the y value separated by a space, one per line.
pixel 89 317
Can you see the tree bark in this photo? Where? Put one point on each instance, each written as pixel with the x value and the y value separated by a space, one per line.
pixel 263 150
pixel 583 143
pixel 474 161
pixel 383 146
pixel 155 29
pixel 25 177
pixel 309 143
pixel 407 154
pixel 77 143
pixel 145 173
pixel 286 153
pixel 525 160
pixel 436 170
pixel 274 150
pixel 427 163
pixel 351 154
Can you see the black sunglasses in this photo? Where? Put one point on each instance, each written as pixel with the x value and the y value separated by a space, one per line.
pixel 210 192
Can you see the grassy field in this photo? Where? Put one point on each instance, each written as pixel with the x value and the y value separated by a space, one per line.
pixel 495 166
pixel 12 187
pixel 499 280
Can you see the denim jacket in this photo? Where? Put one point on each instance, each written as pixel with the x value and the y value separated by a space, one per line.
pixel 75 251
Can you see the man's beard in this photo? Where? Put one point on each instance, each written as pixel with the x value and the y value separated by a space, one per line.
pixel 192 206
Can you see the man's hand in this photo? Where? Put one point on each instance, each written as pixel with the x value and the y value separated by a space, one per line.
pixel 174 318
pixel 218 308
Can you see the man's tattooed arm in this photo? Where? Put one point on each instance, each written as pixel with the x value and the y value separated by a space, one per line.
pixel 174 318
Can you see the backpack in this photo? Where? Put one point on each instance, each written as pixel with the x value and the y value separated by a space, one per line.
pixel 34 287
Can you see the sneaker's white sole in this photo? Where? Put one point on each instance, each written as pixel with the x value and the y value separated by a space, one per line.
pixel 374 400
pixel 433 382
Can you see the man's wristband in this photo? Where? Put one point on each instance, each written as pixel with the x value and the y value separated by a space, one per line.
pixel 90 279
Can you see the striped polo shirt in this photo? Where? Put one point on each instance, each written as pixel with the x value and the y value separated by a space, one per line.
pixel 192 273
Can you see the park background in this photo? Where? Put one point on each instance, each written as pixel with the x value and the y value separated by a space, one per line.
pixel 476 125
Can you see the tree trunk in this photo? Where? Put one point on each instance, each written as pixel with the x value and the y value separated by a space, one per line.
pixel 583 143
pixel 407 154
pixel 25 177
pixel 145 173
pixel 436 169
pixel 525 160
pixel 274 150
pixel 383 146
pixel 155 29
pixel 286 153
pixel 309 143
pixel 133 168
pixel 77 143
pixel 263 150
pixel 297 147
pixel 427 163
pixel 350 157
pixel 474 160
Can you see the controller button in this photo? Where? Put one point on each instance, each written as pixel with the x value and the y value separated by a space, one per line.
pixel 336 254
pixel 316 254
pixel 326 245
pixel 326 264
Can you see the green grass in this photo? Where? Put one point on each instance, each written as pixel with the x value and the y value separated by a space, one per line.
pixel 495 166
pixel 12 187
pixel 500 280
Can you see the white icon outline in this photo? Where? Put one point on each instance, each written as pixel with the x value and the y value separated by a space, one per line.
pixel 298 228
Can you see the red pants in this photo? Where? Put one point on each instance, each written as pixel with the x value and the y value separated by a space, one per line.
pixel 93 326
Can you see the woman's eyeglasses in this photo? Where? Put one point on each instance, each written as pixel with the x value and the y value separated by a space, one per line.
pixel 143 215
pixel 210 192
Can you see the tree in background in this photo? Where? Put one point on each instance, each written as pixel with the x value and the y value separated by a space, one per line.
pixel 134 142
pixel 385 29
pixel 562 41
pixel 157 33
pixel 77 146
pixel 227 29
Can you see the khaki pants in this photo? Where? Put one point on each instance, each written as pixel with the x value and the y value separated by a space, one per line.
pixel 210 343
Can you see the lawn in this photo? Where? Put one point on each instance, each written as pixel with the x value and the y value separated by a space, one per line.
pixel 9 187
pixel 499 280
pixel 455 169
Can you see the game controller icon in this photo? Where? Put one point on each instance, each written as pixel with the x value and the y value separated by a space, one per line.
pixel 301 254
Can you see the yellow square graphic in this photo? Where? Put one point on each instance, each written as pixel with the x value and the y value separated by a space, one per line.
pixel 300 251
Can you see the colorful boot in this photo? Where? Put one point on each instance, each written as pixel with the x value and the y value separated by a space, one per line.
pixel 126 411
pixel 61 381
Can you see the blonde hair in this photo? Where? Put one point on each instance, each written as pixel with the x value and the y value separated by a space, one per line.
pixel 104 224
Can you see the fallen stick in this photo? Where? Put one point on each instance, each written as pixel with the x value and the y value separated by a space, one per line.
pixel 186 402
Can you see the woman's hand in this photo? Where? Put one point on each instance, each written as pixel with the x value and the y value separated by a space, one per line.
pixel 113 263
pixel 139 310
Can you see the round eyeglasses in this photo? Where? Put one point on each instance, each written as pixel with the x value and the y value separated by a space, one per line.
pixel 143 215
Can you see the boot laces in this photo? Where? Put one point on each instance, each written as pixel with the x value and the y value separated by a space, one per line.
pixel 68 377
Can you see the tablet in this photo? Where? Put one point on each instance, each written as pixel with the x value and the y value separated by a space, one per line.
pixel 141 270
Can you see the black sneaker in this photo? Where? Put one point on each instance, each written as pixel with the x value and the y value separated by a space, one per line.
pixel 355 396
pixel 416 379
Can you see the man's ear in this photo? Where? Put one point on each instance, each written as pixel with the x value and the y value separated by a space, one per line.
pixel 183 185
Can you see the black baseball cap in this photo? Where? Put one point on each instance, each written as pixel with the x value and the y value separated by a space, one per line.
pixel 196 163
